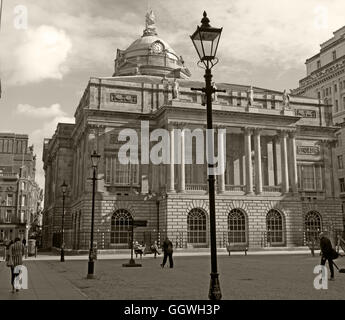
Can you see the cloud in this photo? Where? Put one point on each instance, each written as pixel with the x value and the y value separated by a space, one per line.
pixel 40 113
pixel 38 54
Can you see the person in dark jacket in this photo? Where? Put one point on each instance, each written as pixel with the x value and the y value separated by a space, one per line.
pixel 327 253
pixel 168 252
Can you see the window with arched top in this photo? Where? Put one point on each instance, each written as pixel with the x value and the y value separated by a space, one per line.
pixel 196 224
pixel 237 227
pixel 121 224
pixel 312 226
pixel 274 227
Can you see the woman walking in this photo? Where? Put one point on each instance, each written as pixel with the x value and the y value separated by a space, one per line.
pixel 15 258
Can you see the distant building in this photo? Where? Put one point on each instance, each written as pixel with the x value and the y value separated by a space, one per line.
pixel 278 188
pixel 20 196
pixel 325 81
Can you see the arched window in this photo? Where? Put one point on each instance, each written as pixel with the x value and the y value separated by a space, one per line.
pixel 312 226
pixel 121 223
pixel 274 225
pixel 196 223
pixel 236 227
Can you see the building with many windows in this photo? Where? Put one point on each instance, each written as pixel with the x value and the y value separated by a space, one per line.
pixel 278 187
pixel 20 196
pixel 325 80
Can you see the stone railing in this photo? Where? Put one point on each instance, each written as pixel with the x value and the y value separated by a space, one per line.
pixel 234 188
pixel 271 189
pixel 196 187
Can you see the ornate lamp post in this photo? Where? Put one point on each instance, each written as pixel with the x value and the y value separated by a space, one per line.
pixel 205 40
pixel 63 190
pixel 95 160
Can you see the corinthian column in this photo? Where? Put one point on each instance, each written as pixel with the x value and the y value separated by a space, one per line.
pixel 257 157
pixel 284 160
pixel 293 162
pixel 248 155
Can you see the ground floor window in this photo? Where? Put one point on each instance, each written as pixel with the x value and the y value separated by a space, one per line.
pixel 196 224
pixel 236 227
pixel 121 225
pixel 312 226
pixel 274 225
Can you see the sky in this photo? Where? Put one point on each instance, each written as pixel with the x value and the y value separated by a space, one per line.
pixel 50 48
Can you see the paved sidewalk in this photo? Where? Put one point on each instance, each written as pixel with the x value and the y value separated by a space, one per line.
pixel 177 253
pixel 43 284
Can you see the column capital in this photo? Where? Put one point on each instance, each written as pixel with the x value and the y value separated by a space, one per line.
pixel 247 130
pixel 291 134
pixel 328 143
pixel 257 131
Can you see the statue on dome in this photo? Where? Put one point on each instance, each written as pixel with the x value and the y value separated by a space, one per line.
pixel 150 24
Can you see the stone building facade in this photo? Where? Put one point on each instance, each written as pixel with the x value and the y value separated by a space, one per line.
pixel 325 80
pixel 20 195
pixel 278 189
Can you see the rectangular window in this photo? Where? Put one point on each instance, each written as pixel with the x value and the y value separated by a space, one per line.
pixel 334 55
pixel 310 177
pixel 9 200
pixel 121 174
pixel 1 145
pixel 319 95
pixel 340 162
pixel 24 200
pixel 335 88
pixel 336 106
pixel 8 216
pixel 342 185
pixel 318 64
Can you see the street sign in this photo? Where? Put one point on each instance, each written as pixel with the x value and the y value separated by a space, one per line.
pixel 139 223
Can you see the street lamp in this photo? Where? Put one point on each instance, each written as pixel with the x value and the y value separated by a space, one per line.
pixel 94 160
pixel 63 190
pixel 205 40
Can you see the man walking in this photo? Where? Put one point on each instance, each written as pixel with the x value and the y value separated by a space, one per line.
pixel 327 253
pixel 168 252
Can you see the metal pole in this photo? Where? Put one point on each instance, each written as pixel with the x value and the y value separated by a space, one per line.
pixel 62 257
pixel 90 273
pixel 132 244
pixel 214 292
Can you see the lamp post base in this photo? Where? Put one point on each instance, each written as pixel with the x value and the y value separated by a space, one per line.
pixel 90 270
pixel 131 263
pixel 62 255
pixel 214 292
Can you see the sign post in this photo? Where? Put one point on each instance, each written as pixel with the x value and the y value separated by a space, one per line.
pixel 135 223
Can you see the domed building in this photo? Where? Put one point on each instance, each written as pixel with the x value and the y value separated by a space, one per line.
pixel 278 187
pixel 150 55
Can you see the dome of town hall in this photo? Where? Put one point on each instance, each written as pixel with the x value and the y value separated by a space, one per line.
pixel 150 55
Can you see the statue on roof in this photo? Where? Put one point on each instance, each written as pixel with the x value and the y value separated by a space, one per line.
pixel 150 24
pixel 286 100
pixel 250 96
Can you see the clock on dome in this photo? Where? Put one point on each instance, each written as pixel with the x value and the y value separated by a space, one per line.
pixel 157 47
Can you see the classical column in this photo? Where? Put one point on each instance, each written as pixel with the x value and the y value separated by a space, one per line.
pixel 270 163
pixel 172 162
pixel 248 155
pixel 182 171
pixel 284 162
pixel 277 161
pixel 293 162
pixel 257 157
pixel 221 159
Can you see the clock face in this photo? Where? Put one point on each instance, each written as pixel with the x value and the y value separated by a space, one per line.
pixel 157 47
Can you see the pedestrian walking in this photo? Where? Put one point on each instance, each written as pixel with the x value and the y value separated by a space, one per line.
pixel 15 258
pixel 168 252
pixel 327 253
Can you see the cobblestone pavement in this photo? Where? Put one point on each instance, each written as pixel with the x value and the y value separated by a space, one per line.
pixel 241 277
